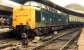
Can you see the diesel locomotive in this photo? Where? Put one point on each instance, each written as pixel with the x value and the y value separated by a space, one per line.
pixel 36 22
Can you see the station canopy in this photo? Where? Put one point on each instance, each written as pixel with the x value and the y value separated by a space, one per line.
pixel 47 2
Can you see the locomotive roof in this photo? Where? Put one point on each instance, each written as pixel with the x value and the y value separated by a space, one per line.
pixel 39 6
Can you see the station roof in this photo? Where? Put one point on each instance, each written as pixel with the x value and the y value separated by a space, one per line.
pixel 48 3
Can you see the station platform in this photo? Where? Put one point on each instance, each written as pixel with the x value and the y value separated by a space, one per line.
pixel 81 40
pixel 3 30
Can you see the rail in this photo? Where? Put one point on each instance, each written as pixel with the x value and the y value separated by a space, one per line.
pixel 53 39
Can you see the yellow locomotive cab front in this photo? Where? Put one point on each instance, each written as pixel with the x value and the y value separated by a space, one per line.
pixel 24 15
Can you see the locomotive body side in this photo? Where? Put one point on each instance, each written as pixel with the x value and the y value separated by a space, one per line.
pixel 45 18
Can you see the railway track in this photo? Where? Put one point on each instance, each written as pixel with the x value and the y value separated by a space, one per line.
pixel 59 41
pixel 8 44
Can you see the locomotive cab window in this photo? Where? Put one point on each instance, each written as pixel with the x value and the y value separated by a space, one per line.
pixel 38 16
